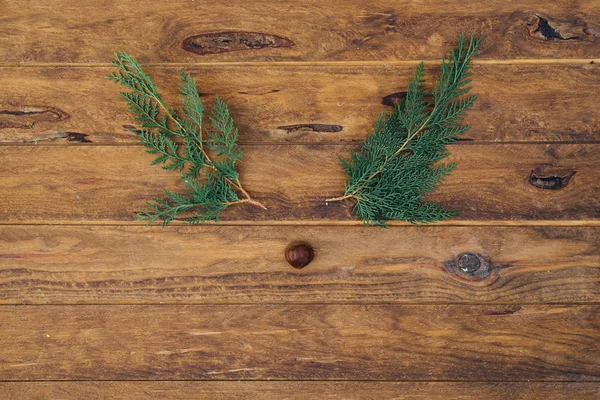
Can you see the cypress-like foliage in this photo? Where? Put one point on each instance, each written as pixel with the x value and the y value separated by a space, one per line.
pixel 399 163
pixel 176 139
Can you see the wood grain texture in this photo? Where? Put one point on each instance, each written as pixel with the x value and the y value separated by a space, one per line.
pixel 267 30
pixel 301 342
pixel 212 264
pixel 244 390
pixel 111 183
pixel 300 104
pixel 128 308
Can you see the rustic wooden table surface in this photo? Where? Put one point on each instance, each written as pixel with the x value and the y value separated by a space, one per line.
pixel 95 305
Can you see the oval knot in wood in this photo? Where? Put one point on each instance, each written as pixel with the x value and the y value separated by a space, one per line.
pixel 299 255
pixel 468 263
pixel 222 42
pixel 550 182
pixel 26 117
pixel 472 267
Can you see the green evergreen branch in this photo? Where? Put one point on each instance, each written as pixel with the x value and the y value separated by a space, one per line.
pixel 394 170
pixel 178 144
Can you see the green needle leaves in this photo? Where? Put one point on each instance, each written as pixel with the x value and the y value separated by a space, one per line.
pixel 211 181
pixel 399 163
pixel 397 166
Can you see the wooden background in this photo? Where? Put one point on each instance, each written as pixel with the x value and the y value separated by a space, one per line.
pixel 94 305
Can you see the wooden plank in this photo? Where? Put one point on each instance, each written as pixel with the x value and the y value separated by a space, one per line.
pixel 300 104
pixel 268 30
pixel 215 264
pixel 55 184
pixel 300 342
pixel 244 390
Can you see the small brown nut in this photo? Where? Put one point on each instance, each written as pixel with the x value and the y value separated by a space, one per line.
pixel 299 255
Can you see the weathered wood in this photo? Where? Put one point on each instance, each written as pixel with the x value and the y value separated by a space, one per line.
pixel 301 342
pixel 293 104
pixel 67 265
pixel 269 30
pixel 244 390
pixel 54 184
pixel 301 78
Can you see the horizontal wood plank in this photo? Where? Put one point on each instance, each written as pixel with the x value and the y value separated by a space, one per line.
pixel 216 264
pixel 244 390
pixel 300 342
pixel 269 30
pixel 300 104
pixel 109 184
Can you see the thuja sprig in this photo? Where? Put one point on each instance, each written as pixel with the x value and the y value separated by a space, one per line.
pixel 399 163
pixel 211 180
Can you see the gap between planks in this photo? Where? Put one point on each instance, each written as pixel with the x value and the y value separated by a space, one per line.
pixel 295 223
pixel 291 144
pixel 556 61
pixel 295 303
pixel 442 381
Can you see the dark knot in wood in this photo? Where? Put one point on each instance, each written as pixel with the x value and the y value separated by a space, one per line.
pixel 223 42
pixel 550 182
pixel 392 100
pixel 546 30
pixel 471 267
pixel 25 117
pixel 76 137
pixel 468 263
pixel 550 29
pixel 299 255
pixel 326 128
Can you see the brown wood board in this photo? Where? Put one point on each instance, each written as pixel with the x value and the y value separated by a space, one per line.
pixel 230 264
pixel 85 31
pixel 501 302
pixel 301 342
pixel 85 184
pixel 245 390
pixel 300 103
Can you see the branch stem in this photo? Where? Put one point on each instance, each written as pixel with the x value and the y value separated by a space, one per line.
pixel 249 201
pixel 339 198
